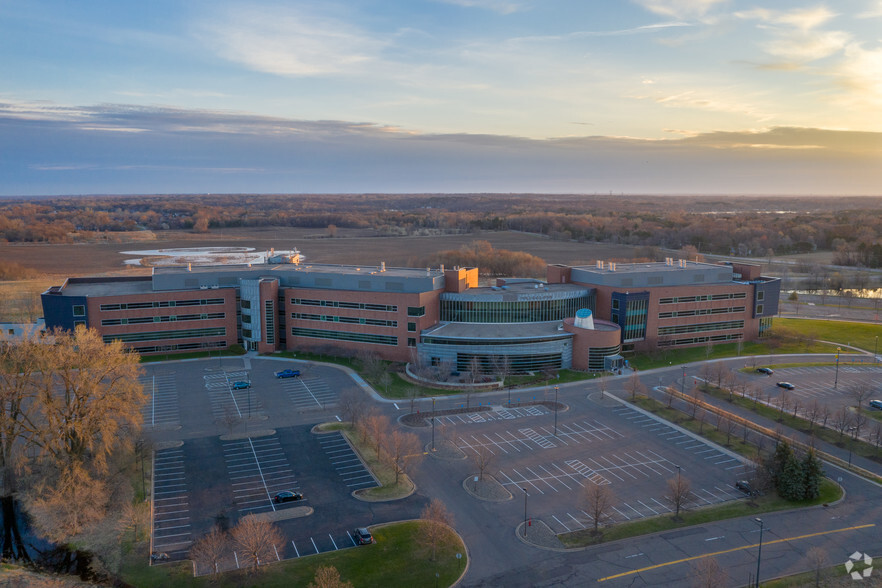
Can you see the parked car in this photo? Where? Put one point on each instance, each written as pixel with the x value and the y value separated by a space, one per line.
pixel 288 373
pixel 362 536
pixel 745 487
pixel 785 385
pixel 241 385
pixel 877 404
pixel 287 496
pixel 763 370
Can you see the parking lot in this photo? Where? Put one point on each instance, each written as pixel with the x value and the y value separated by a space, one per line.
pixel 620 447
pixel 821 384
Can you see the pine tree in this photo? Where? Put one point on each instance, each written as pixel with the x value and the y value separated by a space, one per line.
pixel 790 482
pixel 783 454
pixel 812 473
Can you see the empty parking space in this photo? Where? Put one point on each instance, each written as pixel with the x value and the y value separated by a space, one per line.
pixel 320 543
pixel 501 414
pixel 346 462
pixel 258 469
pixel 162 407
pixel 537 437
pixel 227 402
pixel 171 504
pixel 306 393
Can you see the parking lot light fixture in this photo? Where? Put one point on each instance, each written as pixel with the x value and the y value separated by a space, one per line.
pixel 759 553
pixel 836 379
pixel 555 410
pixel 875 349
pixel 525 511
pixel 433 423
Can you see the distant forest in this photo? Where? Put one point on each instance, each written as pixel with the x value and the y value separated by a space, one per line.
pixel 743 226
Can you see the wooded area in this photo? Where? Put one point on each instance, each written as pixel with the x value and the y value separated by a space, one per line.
pixel 743 226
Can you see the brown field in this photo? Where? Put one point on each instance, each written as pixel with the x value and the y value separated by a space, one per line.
pixel 349 247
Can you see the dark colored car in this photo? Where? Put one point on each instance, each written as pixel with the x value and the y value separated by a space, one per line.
pixel 785 385
pixel 362 536
pixel 767 371
pixel 288 374
pixel 745 487
pixel 241 385
pixel 287 496
pixel 877 404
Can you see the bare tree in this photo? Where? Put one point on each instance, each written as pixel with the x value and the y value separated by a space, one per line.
pixel 484 459
pixel 783 404
pixel 679 491
pixel 860 392
pixel 635 387
pixel 707 573
pixel 255 541
pixel 813 413
pixel 438 521
pixel 599 500
pixel 841 421
pixel 352 406
pixel 208 551
pixel 230 419
pixel 603 384
pixel 818 560
pixel 328 577
pixel 729 427
pixel 669 395
pixel 377 426
pixel 399 447
pixel 412 394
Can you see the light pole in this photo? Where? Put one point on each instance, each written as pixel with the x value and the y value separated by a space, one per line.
pixel 683 383
pixel 875 348
pixel 433 423
pixel 555 410
pixel 525 511
pixel 509 396
pixel 836 380
pixel 759 553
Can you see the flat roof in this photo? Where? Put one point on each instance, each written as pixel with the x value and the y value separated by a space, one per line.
pixel 327 268
pixel 97 287
pixel 653 274
pixel 509 331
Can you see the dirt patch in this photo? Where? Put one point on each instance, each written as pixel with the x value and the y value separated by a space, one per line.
pixel 487 489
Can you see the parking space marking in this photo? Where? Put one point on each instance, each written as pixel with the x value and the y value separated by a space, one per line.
pixel 171 512
pixel 346 462
pixel 309 393
pixel 162 407
pixel 258 469
pixel 536 438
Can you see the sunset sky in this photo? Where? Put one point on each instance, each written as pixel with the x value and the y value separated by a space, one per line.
pixel 585 96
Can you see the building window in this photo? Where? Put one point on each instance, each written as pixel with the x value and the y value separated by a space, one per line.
pixel 416 311
pixel 411 327
pixel 78 323
pixel 245 303
pixel 759 309
pixel 79 310
pixel 760 294
pixel 411 341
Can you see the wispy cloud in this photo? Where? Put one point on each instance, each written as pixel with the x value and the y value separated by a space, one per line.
pixel 795 37
pixel 500 6
pixel 680 9
pixel 289 41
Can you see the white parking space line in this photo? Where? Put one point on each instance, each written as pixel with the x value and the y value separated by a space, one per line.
pixel 621 513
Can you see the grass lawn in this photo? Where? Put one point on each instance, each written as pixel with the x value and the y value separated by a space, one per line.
pixel 389 489
pixel 693 354
pixel 861 335
pixel 398 558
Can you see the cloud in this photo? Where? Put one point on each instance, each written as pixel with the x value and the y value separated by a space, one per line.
pixel 861 74
pixel 795 37
pixel 500 6
pixel 290 42
pixel 873 11
pixel 681 9
pixel 52 151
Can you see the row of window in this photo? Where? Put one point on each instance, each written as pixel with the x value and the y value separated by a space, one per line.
pixel 700 312
pixel 161 304
pixel 139 320
pixel 355 320
pixel 519 311
pixel 516 363
pixel 696 340
pixel 700 327
pixel 345 336
pixel 342 304
pixel 524 341
pixel 703 298
pixel 159 335
pixel 180 347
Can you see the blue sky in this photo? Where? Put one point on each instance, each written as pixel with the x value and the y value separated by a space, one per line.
pixel 648 96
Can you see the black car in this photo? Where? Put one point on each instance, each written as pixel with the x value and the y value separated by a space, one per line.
pixel 362 536
pixel 745 487
pixel 288 496
pixel 785 385
pixel 767 371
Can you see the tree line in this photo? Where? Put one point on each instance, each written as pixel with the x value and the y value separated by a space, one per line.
pixel 744 226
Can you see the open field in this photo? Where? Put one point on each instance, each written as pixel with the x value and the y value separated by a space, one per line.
pixel 355 247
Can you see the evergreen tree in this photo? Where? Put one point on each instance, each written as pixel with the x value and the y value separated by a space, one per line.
pixel 783 454
pixel 812 473
pixel 790 482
